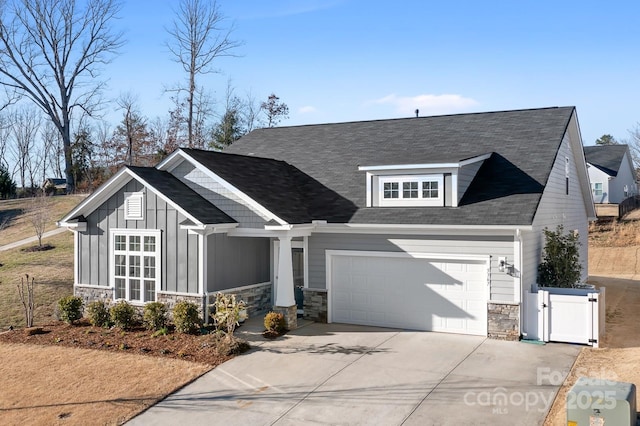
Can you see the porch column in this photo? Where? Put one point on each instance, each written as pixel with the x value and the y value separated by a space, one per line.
pixel 285 298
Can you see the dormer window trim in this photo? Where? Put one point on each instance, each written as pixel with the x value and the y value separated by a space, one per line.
pixel 411 190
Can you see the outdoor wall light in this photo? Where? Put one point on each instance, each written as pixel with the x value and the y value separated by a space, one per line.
pixel 502 264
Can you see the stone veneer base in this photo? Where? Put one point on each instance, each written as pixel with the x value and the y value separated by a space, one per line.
pixel 290 315
pixel 257 298
pixel 503 321
pixel 315 304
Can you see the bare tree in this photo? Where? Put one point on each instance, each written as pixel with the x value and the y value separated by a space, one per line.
pixel 54 151
pixel 250 113
pixel 5 135
pixel 26 293
pixel 25 125
pixel 51 52
pixel 39 214
pixel 197 39
pixel 274 110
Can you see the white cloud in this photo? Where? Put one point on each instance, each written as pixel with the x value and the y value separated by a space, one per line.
pixel 428 104
pixel 307 109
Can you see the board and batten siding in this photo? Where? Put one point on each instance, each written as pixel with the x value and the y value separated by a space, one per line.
pixel 179 249
pixel 219 196
pixel 495 246
pixel 237 261
pixel 557 208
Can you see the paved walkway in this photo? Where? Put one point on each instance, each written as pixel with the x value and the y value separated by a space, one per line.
pixel 31 240
pixel 325 374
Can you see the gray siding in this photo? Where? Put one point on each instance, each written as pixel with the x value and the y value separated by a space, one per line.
pixel 557 208
pixel 237 261
pixel 501 283
pixel 179 250
pixel 219 196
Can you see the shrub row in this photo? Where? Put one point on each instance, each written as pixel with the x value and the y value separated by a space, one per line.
pixel 123 315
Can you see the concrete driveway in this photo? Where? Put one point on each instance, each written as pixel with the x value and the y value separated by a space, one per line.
pixel 348 375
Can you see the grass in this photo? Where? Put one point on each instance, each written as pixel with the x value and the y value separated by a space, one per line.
pixel 53 274
pixel 18 225
pixel 52 269
pixel 55 385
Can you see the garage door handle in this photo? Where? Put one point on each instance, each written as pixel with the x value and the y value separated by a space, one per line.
pixel 544 305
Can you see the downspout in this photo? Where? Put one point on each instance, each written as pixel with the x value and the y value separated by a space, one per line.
pixel 522 301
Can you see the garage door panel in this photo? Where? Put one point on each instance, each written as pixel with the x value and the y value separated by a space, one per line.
pixel 422 294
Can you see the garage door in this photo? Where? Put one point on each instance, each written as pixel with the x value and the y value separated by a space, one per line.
pixel 405 292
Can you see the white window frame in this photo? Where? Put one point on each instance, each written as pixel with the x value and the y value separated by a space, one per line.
pixel 408 202
pixel 595 189
pixel 127 252
pixel 128 198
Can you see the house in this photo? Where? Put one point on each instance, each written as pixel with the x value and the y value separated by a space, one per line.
pixel 55 185
pixel 611 173
pixel 430 223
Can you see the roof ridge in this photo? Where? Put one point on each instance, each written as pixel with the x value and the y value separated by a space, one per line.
pixel 416 118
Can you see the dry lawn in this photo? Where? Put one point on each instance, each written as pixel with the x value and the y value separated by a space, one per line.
pixel 52 385
pixel 53 273
pixel 18 225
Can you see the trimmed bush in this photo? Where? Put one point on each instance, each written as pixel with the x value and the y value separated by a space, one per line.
pixel 70 309
pixel 274 322
pixel 186 317
pixel 123 315
pixel 155 316
pixel 98 314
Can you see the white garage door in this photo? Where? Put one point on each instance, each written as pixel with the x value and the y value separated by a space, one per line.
pixel 404 292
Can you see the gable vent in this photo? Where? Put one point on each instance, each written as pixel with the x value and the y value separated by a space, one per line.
pixel 133 206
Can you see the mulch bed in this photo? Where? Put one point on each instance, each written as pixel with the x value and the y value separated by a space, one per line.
pixel 200 348
pixel 43 247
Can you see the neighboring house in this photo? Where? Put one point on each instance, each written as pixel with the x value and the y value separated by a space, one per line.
pixel 430 223
pixel 611 173
pixel 55 185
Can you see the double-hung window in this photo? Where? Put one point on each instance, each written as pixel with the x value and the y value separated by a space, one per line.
pixel 411 190
pixel 136 264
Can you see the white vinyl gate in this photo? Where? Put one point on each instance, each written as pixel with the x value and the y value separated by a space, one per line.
pixel 565 315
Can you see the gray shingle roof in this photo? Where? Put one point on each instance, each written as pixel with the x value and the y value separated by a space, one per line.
pixel 180 194
pixel 506 190
pixel 606 157
pixel 281 188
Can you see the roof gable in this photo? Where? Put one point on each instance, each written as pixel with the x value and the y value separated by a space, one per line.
pixel 277 186
pixel 607 158
pixel 165 185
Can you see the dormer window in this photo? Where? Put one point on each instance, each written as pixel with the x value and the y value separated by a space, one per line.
pixel 439 184
pixel 411 190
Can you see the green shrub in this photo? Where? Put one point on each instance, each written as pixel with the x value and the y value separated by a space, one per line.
pixel 274 322
pixel 560 265
pixel 155 316
pixel 123 315
pixel 186 317
pixel 70 309
pixel 98 313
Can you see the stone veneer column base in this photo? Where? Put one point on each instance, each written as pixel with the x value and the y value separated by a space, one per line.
pixel 503 321
pixel 290 315
pixel 257 297
pixel 315 304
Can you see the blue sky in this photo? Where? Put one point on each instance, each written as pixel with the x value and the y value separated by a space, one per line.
pixel 345 60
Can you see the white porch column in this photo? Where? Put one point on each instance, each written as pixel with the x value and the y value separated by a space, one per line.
pixel 284 284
